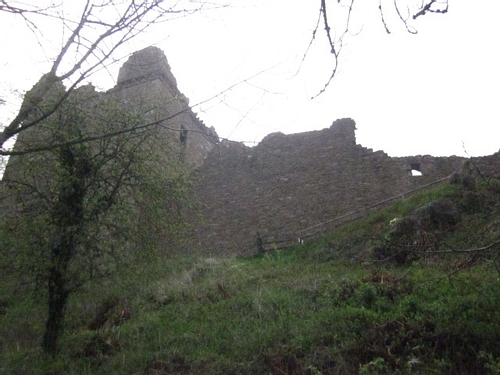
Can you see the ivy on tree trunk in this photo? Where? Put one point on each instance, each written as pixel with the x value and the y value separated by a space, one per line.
pixel 69 225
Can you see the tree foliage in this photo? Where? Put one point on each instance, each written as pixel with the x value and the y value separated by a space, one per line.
pixel 79 211
pixel 87 189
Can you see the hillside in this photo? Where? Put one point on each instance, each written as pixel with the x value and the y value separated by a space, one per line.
pixel 412 288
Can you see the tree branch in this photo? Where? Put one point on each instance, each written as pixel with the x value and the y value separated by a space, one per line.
pixel 427 8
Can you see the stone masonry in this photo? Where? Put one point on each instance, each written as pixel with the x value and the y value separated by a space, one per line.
pixel 289 183
pixel 279 188
pixel 146 81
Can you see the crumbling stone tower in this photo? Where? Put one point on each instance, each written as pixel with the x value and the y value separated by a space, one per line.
pixel 146 83
pixel 146 90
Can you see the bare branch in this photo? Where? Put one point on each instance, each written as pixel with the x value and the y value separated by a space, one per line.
pixel 327 27
pixel 313 38
pixel 94 51
pixel 409 28
pixel 427 8
pixel 335 46
pixel 431 6
pixel 5 7
pixel 382 15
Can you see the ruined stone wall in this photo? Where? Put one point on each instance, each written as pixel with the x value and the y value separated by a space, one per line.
pixel 282 186
pixel 292 182
pixel 485 166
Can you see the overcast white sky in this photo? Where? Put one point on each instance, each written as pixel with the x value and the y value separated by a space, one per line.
pixel 428 93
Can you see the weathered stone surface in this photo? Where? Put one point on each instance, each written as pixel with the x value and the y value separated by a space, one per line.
pixel 145 82
pixel 285 186
pixel 289 183
pixel 144 64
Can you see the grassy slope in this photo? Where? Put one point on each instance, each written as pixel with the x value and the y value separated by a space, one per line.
pixel 328 307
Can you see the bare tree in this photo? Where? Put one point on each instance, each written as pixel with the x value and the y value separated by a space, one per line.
pixel 100 28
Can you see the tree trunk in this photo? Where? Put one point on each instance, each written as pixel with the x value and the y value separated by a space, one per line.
pixel 57 300
pixel 69 225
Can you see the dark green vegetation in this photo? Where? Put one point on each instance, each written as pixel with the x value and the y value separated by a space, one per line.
pixel 419 294
pixel 78 211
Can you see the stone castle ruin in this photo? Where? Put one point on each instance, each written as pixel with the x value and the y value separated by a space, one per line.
pixel 288 187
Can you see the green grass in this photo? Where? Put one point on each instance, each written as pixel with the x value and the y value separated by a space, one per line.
pixel 323 308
